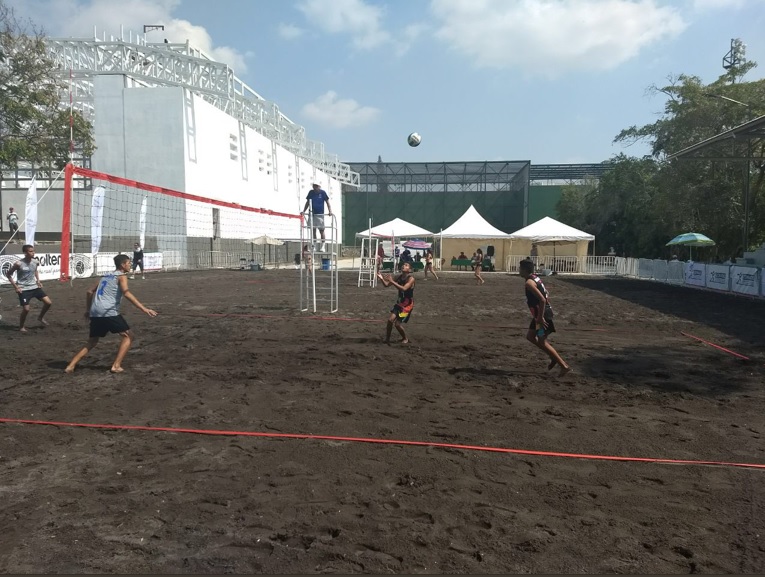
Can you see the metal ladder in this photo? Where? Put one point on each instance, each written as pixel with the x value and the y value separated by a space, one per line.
pixel 368 264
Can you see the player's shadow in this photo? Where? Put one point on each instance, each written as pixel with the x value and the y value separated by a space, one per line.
pixel 485 371
pixel 703 372
pixel 733 315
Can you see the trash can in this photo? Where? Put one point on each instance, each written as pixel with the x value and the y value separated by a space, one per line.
pixel 325 264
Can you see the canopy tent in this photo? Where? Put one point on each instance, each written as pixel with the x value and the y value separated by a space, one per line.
pixel 472 225
pixel 553 238
pixel 396 227
pixel 471 231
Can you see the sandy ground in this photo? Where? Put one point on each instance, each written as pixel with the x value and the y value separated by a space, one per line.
pixel 230 351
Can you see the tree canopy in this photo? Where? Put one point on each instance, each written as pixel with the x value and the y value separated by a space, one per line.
pixel 642 203
pixel 34 121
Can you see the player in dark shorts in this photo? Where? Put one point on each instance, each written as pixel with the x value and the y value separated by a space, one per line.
pixel 542 325
pixel 28 286
pixel 137 261
pixel 103 310
pixel 402 310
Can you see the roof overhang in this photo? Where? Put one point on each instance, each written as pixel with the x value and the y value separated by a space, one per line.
pixel 710 148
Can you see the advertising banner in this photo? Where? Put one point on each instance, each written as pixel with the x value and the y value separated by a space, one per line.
pixel 718 277
pixel 152 261
pixel 745 280
pixel 49 265
pixel 695 274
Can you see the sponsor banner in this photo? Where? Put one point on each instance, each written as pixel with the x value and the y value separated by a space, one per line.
pixel 49 265
pixel 152 261
pixel 695 274
pixel 718 277
pixel 745 280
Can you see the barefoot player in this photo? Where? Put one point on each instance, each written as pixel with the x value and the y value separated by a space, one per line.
pixel 541 325
pixel 28 286
pixel 103 309
pixel 402 310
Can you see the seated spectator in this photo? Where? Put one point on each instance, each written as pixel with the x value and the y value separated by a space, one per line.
pixel 462 256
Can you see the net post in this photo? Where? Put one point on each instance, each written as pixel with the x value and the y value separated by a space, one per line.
pixel 66 223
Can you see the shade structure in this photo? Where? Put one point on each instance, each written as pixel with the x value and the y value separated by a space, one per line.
pixel 417 244
pixel 472 225
pixel 548 230
pixel 265 239
pixel 691 239
pixel 397 227
pixel 547 236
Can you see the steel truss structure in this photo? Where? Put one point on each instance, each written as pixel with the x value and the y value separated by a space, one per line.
pixel 169 64
pixel 434 194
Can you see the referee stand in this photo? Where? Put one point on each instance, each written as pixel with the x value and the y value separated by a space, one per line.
pixel 319 275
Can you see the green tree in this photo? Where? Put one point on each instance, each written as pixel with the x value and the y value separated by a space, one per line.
pixel 34 122
pixel 708 195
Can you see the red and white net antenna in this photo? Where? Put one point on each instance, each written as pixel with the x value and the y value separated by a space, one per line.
pixel 116 181
pixel 71 118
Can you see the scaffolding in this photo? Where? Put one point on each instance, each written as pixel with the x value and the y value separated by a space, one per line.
pixel 79 60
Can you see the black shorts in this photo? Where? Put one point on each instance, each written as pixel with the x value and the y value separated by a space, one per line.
pixel 548 316
pixel 99 326
pixel 26 296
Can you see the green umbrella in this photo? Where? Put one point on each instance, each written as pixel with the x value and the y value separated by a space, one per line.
pixel 691 239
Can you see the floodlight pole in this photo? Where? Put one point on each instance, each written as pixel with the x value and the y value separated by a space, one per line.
pixel 747 170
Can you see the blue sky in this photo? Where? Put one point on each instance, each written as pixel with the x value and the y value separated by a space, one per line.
pixel 551 81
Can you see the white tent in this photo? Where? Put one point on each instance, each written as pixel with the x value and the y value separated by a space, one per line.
pixel 472 225
pixel 398 227
pixel 549 230
pixel 472 231
pixel 552 239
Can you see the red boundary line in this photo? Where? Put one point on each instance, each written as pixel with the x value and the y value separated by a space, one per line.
pixel 383 442
pixel 730 352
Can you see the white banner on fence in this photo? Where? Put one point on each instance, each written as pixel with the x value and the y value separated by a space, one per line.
pixel 105 262
pixel 152 260
pixel 718 277
pixel 49 267
pixel 695 274
pixel 744 280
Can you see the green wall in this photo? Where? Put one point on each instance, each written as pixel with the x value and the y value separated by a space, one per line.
pixel 430 210
pixel 542 201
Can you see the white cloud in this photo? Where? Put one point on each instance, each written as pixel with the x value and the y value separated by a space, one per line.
pixel 78 18
pixel 334 112
pixel 354 17
pixel 549 37
pixel 703 5
pixel 290 31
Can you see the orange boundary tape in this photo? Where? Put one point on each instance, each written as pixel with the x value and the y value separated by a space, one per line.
pixel 385 442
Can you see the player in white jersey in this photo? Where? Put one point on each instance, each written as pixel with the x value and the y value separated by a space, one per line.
pixel 28 286
pixel 103 310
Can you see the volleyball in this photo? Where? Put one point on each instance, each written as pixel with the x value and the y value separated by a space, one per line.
pixel 414 139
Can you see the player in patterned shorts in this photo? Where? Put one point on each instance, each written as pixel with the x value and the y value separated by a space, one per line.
pixel 402 310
